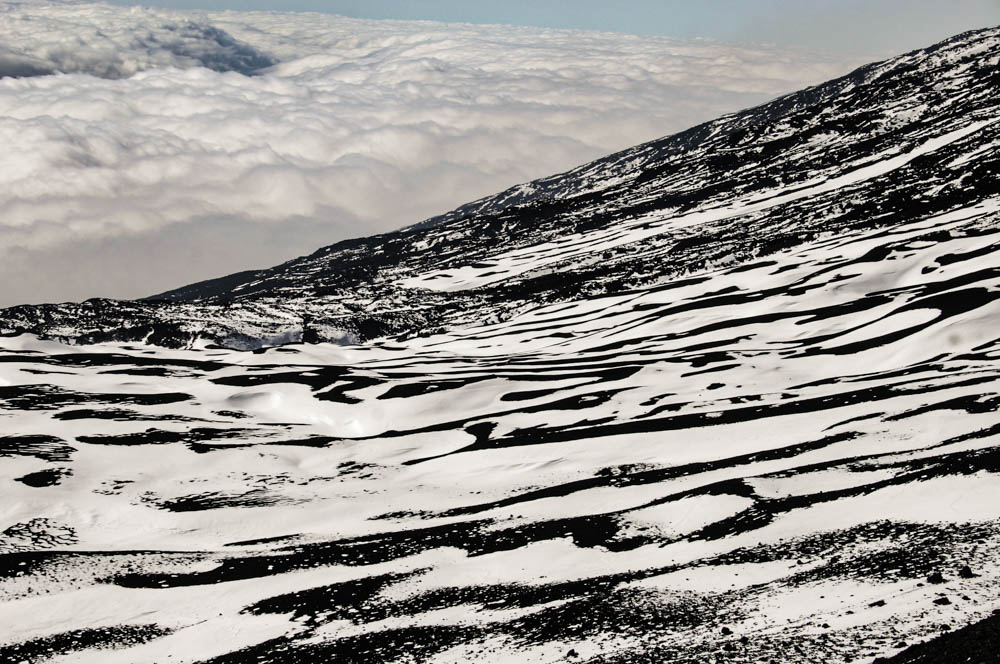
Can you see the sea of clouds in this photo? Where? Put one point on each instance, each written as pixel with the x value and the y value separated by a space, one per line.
pixel 143 149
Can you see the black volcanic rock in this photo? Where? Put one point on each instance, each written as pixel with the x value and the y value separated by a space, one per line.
pixel 975 644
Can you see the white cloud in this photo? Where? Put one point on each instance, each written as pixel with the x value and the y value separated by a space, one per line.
pixel 112 42
pixel 362 126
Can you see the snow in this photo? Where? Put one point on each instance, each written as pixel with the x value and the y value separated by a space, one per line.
pixel 787 445
pixel 318 501
pixel 518 262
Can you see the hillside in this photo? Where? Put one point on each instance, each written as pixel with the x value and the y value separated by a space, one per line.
pixel 728 396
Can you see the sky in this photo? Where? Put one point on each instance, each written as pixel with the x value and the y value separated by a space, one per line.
pixel 148 148
pixel 878 28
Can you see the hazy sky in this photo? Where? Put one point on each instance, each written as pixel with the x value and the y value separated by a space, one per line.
pixel 876 27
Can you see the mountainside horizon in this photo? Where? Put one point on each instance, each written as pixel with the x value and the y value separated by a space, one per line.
pixel 356 289
pixel 732 395
pixel 150 147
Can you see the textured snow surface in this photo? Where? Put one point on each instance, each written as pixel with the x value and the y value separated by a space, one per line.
pixel 787 449
pixel 728 396
pixel 505 266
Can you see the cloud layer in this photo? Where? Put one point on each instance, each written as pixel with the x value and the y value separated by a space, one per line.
pixel 178 146
pixel 111 42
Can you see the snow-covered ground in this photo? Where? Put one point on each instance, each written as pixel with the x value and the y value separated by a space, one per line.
pixel 730 395
pixel 792 459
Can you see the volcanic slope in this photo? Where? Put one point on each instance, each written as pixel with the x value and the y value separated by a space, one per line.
pixel 780 453
pixel 891 142
pixel 795 459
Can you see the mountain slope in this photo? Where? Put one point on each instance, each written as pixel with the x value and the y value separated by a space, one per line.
pixel 794 460
pixel 729 396
pixel 910 137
